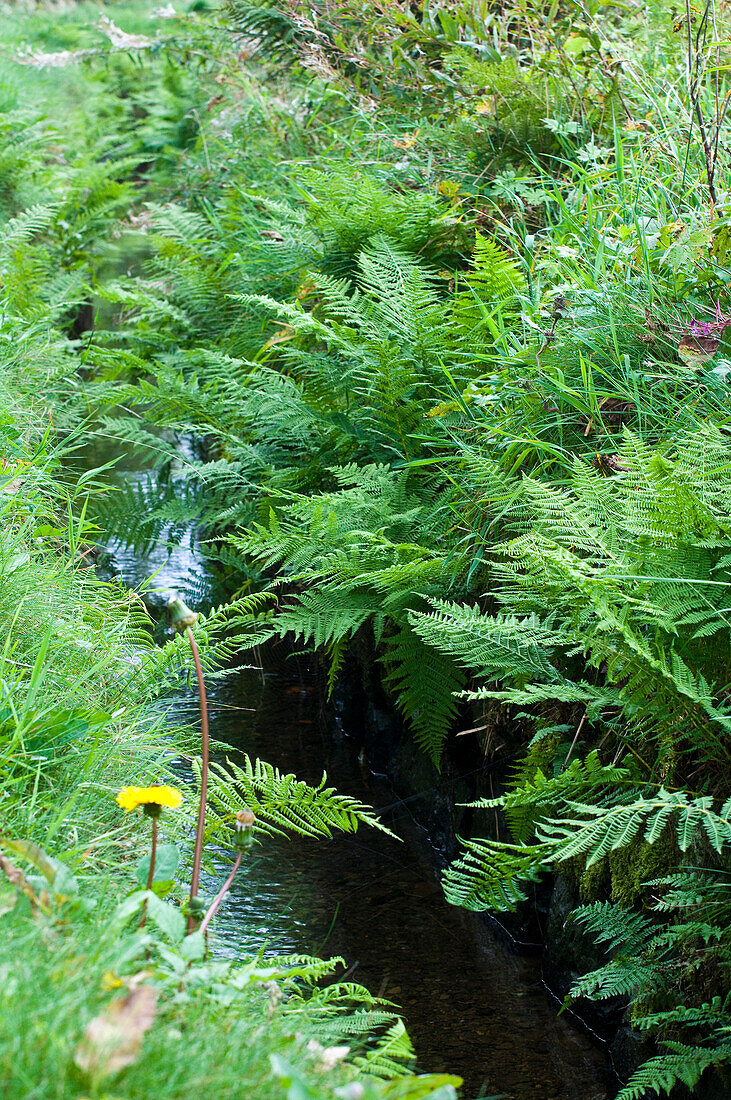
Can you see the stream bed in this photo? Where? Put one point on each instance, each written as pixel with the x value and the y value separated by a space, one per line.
pixel 472 1007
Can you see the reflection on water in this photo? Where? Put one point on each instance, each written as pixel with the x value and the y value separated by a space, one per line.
pixel 471 1006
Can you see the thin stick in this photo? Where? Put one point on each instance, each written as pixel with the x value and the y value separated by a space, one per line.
pixel 150 873
pixel 220 895
pixel 197 854
pixel 695 66
pixel 573 743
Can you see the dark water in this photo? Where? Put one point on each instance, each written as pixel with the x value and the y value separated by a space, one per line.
pixel 471 1007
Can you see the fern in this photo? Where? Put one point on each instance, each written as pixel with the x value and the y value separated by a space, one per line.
pixel 283 804
pixel 538 794
pixel 492 875
pixel 679 1063
pixel 390 1056
pixel 425 684
pixel 592 831
pixel 485 466
pixel 482 308
pixel 24 226
pixel 589 830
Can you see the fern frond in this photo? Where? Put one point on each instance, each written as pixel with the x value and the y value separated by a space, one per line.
pixel 426 684
pixel 492 875
pixel 283 804
pixel 390 1056
pixel 679 1064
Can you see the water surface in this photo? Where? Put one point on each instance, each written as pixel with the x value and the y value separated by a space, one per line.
pixel 471 1006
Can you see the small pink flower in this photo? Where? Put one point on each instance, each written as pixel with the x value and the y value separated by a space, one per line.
pixel 710 328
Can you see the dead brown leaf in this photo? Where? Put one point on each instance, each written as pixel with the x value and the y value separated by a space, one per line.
pixel 609 464
pixel 113 1039
pixel 695 350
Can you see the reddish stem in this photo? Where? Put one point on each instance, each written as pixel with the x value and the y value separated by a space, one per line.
pixel 198 852
pixel 220 895
pixel 151 872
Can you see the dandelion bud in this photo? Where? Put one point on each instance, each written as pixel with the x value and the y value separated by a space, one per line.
pixel 559 305
pixel 181 617
pixel 243 828
pixel 196 907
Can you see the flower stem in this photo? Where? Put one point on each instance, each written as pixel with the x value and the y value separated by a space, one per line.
pixel 151 872
pixel 153 855
pixel 220 895
pixel 198 852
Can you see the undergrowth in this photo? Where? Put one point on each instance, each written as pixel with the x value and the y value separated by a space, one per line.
pixel 442 291
pixel 105 992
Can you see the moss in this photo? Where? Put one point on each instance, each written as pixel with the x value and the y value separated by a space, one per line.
pixel 639 862
pixel 540 755
pixel 621 875
pixel 594 881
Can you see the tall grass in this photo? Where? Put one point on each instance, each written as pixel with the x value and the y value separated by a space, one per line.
pixel 82 684
pixel 459 352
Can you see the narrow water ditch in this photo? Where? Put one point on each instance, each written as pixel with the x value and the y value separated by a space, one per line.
pixel 471 1006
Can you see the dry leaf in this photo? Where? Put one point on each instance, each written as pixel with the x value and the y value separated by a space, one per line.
pixel 18 879
pixel 615 410
pixel 286 333
pixel 609 464
pixel 695 350
pixel 112 1040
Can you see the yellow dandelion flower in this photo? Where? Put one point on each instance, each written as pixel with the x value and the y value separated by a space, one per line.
pixel 151 799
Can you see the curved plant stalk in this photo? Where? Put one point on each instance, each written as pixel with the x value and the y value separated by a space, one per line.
pixel 244 834
pixel 215 904
pixel 183 619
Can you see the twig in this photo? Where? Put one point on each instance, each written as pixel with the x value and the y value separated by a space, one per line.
pixel 695 72
pixel 576 738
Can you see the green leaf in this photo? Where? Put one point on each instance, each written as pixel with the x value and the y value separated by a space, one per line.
pixel 167 859
pixel 576 44
pixel 193 946
pixel 27 849
pixel 64 882
pixel 162 889
pixel 169 920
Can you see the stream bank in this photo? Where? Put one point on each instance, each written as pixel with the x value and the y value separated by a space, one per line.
pixel 472 1005
pixel 553 952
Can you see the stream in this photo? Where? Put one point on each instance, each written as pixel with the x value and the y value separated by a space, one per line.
pixel 471 1006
